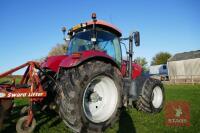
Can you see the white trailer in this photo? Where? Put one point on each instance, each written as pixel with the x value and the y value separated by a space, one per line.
pixel 159 71
pixel 184 67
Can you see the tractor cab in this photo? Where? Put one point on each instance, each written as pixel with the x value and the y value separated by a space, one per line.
pixel 95 35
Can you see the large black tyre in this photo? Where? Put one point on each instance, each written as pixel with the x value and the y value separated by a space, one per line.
pixel 152 96
pixel 73 84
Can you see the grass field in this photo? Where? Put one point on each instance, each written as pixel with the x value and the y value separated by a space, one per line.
pixel 131 121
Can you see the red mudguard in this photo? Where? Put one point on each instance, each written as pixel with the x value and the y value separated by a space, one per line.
pixel 55 62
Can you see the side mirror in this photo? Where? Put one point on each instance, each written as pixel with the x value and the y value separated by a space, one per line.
pixel 137 38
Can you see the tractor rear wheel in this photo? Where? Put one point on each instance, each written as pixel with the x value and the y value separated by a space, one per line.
pixel 90 96
pixel 152 98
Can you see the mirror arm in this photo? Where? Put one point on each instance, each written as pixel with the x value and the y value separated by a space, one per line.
pixel 134 36
pixel 130 53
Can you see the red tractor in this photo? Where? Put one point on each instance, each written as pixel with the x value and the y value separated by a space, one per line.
pixel 91 83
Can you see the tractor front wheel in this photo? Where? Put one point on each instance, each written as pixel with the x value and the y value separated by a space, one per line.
pixel 90 96
pixel 152 98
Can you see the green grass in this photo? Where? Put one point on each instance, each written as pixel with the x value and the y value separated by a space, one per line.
pixel 9 79
pixel 130 120
pixel 139 122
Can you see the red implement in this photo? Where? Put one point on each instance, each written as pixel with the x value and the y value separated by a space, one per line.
pixel 29 87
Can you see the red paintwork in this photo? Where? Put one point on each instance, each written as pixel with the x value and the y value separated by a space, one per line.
pixel 103 23
pixel 22 93
pixel 13 70
pixel 123 68
pixel 30 77
pixel 137 69
pixel 53 62
pixel 71 61
pixel 98 23
pixel 34 91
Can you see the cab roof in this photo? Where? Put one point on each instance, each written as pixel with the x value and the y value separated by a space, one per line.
pixel 99 23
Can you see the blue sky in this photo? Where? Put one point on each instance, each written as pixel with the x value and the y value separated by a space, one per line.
pixel 30 28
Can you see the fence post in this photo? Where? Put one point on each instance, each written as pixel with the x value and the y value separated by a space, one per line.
pixel 192 80
pixel 174 79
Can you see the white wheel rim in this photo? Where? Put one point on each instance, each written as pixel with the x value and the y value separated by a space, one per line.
pixel 157 97
pixel 100 99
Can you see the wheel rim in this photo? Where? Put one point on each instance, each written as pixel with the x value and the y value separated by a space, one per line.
pixel 100 99
pixel 157 97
